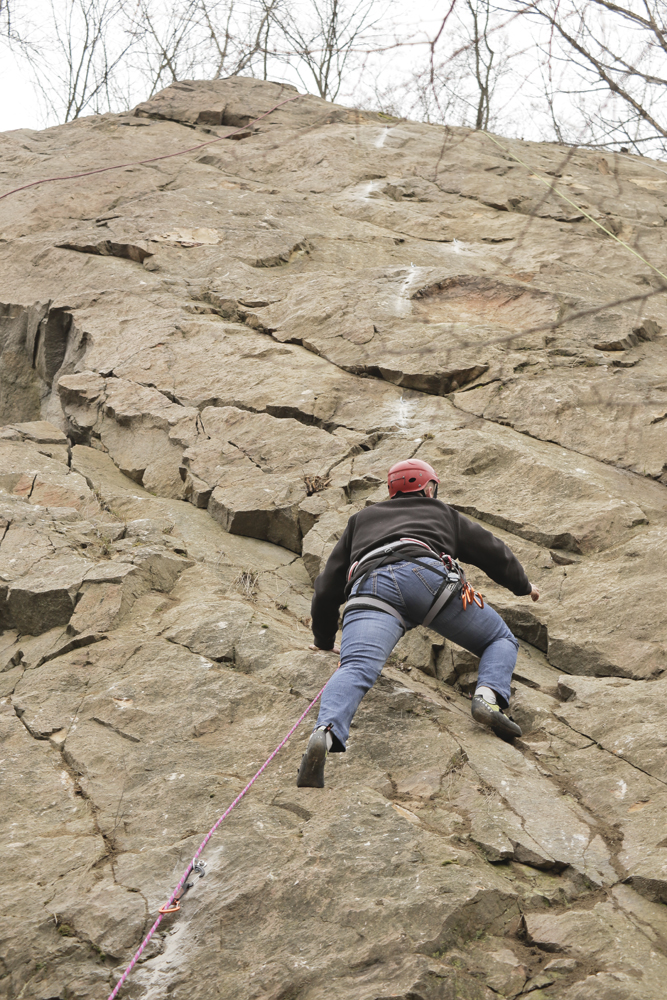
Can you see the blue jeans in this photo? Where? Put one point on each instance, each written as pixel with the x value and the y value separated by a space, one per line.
pixel 370 636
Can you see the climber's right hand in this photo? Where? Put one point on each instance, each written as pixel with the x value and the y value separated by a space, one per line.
pixel 534 593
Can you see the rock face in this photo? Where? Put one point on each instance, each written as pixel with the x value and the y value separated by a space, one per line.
pixel 207 364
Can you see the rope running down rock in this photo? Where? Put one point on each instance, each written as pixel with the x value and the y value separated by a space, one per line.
pixel 188 870
pixel 153 159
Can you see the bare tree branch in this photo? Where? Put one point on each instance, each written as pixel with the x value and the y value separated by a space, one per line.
pixel 321 46
pixel 483 56
pixel 458 88
pixel 619 47
pixel 6 17
pixel 200 38
pixel 75 66
pixel 614 86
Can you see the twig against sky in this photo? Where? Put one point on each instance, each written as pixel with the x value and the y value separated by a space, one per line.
pixel 587 72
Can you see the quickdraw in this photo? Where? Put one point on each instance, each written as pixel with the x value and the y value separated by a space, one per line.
pixel 173 906
pixel 468 593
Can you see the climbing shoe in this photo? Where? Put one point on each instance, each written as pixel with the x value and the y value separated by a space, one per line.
pixel 311 770
pixel 491 716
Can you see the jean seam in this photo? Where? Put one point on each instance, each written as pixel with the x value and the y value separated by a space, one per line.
pixel 397 588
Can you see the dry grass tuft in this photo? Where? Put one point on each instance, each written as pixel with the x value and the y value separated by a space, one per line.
pixel 246 583
pixel 315 484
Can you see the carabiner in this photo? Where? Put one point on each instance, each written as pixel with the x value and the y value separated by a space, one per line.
pixel 170 909
pixel 468 595
pixel 198 868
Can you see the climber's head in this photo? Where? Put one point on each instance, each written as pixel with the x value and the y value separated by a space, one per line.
pixel 412 476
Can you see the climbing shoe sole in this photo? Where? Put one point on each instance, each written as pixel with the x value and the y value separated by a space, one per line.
pixel 311 770
pixel 493 718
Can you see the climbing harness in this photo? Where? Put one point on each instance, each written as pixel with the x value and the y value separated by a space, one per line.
pixel 453 581
pixel 198 867
pixel 153 159
pixel 383 551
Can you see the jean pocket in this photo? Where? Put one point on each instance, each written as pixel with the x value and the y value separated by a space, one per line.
pixel 389 589
pixel 431 587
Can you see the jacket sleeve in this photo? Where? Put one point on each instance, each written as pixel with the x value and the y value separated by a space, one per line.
pixel 478 546
pixel 330 590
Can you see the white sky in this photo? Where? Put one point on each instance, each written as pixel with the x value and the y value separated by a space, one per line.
pixel 18 101
pixel 519 105
pixel 20 105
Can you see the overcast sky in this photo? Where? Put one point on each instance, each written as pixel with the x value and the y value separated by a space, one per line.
pixel 20 104
pixel 520 105
pixel 410 21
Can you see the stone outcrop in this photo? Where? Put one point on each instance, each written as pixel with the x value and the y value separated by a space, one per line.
pixel 207 364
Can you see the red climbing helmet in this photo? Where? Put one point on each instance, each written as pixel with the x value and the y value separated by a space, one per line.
pixel 410 476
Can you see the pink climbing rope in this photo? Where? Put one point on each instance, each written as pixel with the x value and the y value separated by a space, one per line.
pixel 205 841
pixel 153 159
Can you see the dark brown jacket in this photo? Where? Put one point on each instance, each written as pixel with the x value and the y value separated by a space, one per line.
pixel 426 519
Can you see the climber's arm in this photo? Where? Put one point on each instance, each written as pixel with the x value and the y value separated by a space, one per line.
pixel 330 592
pixel 478 546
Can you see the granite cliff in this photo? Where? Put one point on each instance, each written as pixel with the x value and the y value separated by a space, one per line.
pixel 208 363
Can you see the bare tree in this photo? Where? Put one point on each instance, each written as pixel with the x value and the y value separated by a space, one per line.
pixel 584 72
pixel 165 46
pixel 5 16
pixel 457 83
pixel 322 41
pixel 74 63
pixel 613 62
pixel 482 56
pixel 199 38
pixel 588 72
pixel 241 45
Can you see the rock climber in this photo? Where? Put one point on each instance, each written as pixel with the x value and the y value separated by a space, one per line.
pixel 396 566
